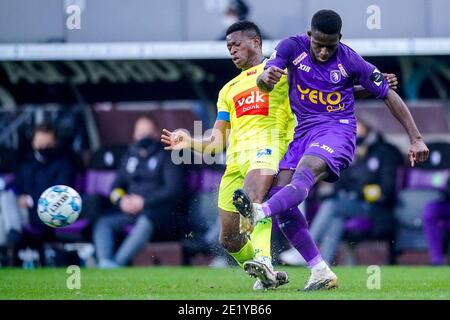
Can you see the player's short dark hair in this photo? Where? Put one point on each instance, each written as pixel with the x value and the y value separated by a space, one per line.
pixel 326 21
pixel 44 128
pixel 250 29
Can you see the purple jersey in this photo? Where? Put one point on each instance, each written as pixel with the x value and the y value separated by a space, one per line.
pixel 322 93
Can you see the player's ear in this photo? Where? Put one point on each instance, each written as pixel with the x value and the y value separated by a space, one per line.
pixel 257 42
pixel 309 33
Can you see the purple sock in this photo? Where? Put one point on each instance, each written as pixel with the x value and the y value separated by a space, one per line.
pixel 292 194
pixel 295 228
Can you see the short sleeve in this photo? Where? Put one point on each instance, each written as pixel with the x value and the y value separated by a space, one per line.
pixel 223 108
pixel 283 54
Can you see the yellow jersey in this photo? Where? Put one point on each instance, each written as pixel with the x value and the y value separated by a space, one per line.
pixel 257 119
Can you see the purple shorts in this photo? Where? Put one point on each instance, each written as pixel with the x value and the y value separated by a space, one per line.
pixel 334 144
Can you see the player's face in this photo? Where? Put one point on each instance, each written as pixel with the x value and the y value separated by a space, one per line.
pixel 43 140
pixel 242 49
pixel 144 128
pixel 323 45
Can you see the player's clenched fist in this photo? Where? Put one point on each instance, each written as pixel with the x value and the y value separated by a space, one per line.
pixel 176 140
pixel 270 77
pixel 392 80
pixel 418 152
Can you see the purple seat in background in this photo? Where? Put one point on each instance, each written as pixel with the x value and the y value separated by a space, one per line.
pixel 99 182
pixel 6 178
pixel 32 231
pixel 80 182
pixel 127 229
pixel 198 181
pixel 210 180
pixel 193 180
pixel 418 178
pixel 359 224
pixel 75 228
pixel 206 180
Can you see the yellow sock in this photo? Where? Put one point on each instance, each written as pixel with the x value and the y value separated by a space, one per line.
pixel 261 237
pixel 246 253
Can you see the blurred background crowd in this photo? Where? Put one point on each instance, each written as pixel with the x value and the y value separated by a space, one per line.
pixel 85 107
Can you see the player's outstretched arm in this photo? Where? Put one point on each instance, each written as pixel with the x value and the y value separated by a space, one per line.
pixel 361 93
pixel 180 139
pixel 269 78
pixel 418 151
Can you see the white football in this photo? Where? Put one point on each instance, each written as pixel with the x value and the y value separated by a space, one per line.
pixel 59 206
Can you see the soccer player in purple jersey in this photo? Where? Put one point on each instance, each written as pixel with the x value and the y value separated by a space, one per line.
pixel 321 72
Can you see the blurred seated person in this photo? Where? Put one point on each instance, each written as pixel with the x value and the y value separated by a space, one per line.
pixel 44 166
pixel 236 10
pixel 365 189
pixel 436 221
pixel 145 193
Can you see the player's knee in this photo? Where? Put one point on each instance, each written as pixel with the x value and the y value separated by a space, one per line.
pixel 315 165
pixel 304 173
pixel 254 194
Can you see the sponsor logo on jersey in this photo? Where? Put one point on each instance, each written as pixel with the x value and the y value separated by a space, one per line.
pixel 251 102
pixel 232 84
pixel 331 100
pixel 304 67
pixel 335 76
pixel 299 58
pixel 342 70
pixel 264 152
pixel 322 146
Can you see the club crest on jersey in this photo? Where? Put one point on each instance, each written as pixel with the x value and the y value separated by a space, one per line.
pixel 299 58
pixel 335 76
pixel 251 102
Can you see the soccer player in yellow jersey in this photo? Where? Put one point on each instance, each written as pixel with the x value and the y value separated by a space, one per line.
pixel 258 128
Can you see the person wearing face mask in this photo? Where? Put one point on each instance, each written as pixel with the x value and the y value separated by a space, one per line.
pixel 44 166
pixel 366 189
pixel 236 10
pixel 147 182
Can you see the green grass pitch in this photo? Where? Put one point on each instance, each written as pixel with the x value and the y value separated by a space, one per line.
pixel 191 283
